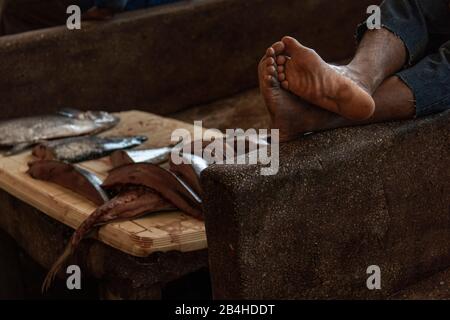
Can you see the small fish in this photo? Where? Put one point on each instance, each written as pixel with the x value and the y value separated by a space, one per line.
pixel 154 156
pixel 21 133
pixel 163 181
pixel 189 171
pixel 84 148
pixel 130 203
pixel 69 176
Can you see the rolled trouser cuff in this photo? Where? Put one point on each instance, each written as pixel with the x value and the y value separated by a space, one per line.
pixel 405 19
pixel 430 82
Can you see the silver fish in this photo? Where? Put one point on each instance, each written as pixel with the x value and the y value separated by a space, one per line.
pixel 155 156
pixel 21 133
pixel 84 148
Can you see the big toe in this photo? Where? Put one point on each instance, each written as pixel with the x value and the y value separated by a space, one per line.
pixel 291 45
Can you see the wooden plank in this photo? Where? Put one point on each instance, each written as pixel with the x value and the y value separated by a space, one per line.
pixel 157 232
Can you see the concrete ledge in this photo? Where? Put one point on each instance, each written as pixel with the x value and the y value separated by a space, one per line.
pixel 164 59
pixel 436 287
pixel 342 201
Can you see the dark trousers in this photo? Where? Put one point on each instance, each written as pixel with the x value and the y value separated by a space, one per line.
pixel 424 28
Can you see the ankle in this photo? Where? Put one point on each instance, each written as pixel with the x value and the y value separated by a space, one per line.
pixel 366 80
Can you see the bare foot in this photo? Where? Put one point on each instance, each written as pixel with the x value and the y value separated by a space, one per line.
pixel 290 114
pixel 337 89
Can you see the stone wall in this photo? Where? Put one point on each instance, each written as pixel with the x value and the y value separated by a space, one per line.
pixel 167 58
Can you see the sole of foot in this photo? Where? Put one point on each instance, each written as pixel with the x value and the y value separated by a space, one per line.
pixel 303 72
pixel 290 114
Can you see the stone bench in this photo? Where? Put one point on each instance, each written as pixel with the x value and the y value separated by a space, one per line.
pixel 343 200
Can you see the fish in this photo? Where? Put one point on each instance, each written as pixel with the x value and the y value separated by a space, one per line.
pixel 192 165
pixel 20 133
pixel 78 149
pixel 190 170
pixel 128 204
pixel 69 176
pixel 164 182
pixel 155 156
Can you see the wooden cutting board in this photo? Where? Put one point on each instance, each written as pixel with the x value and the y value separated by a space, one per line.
pixel 156 232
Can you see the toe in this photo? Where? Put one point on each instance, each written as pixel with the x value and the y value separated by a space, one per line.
pixel 270 62
pixel 278 48
pixel 262 61
pixel 270 52
pixel 285 85
pixel 281 60
pixel 289 41
pixel 270 81
pixel 262 64
pixel 281 76
pixel 291 45
pixel 271 71
pixel 262 69
pixel 280 69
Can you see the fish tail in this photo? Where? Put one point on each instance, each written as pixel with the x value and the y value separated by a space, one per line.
pixel 83 231
pixel 49 279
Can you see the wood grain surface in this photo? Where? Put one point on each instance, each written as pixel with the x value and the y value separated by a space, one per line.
pixel 141 237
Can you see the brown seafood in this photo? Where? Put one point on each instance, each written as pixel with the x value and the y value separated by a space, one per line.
pixel 190 170
pixel 71 177
pixel 192 164
pixel 162 181
pixel 155 156
pixel 129 204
